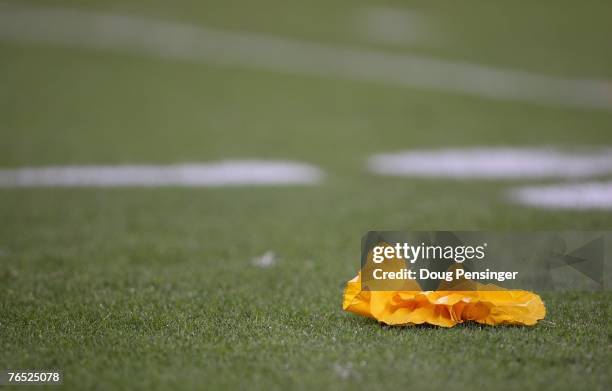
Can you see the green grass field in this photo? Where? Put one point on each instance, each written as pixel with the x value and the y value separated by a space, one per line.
pixel 155 288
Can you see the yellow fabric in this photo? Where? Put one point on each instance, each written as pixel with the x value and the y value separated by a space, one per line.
pixel 486 304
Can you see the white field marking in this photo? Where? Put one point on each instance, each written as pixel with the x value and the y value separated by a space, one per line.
pixel 492 163
pixel 176 41
pixel 267 260
pixel 216 174
pixel 591 195
pixel 390 25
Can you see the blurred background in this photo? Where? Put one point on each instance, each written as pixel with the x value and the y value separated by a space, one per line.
pixel 126 81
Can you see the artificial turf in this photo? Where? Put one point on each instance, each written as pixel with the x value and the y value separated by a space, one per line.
pixel 155 288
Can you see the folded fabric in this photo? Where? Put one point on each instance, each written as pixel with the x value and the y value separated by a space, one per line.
pixel 486 304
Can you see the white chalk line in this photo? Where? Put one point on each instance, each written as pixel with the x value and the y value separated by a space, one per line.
pixel 215 174
pixel 578 196
pixel 178 41
pixel 493 163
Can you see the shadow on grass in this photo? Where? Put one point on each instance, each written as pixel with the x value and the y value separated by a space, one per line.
pixel 468 325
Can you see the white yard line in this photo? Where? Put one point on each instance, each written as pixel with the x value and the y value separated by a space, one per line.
pixel 492 163
pixel 159 39
pixel 216 174
pixel 579 196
